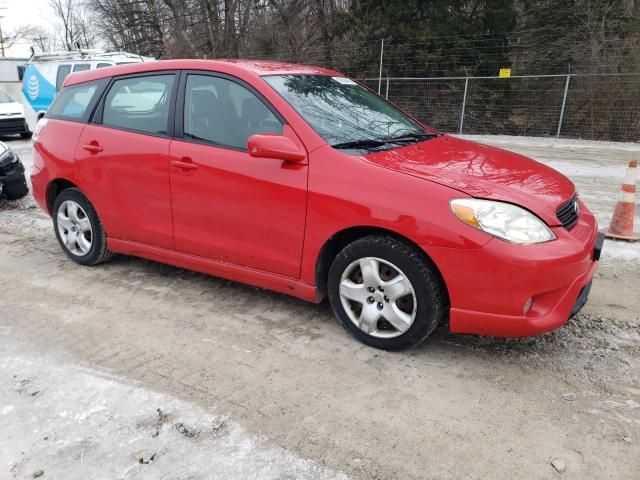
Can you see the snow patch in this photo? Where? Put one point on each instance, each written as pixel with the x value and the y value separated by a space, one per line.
pixel 613 250
pixel 569 143
pixel 76 423
pixel 584 169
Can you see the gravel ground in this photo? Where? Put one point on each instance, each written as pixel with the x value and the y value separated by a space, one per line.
pixel 254 384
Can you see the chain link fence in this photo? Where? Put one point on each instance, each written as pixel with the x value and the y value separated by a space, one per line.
pixel 589 106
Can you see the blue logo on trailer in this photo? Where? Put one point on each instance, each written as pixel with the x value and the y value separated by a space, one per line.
pixel 38 91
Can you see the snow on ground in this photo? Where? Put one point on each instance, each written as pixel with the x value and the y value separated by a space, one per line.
pixel 572 169
pixel 514 140
pixel 75 423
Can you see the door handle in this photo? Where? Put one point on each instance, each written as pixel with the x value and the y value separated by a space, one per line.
pixel 184 164
pixel 93 147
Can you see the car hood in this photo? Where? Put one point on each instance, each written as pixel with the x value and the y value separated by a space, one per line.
pixel 483 172
pixel 11 108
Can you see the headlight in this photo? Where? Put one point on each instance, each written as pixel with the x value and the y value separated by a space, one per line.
pixel 503 220
pixel 7 158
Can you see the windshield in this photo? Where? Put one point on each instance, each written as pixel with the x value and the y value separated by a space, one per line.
pixel 5 97
pixel 344 113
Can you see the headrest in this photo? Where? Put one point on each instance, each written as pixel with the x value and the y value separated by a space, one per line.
pixel 253 110
pixel 203 102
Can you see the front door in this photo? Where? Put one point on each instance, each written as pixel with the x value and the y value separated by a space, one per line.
pixel 227 205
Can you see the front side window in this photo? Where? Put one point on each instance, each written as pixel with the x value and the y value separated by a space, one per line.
pixel 63 71
pixel 139 103
pixel 342 111
pixel 223 112
pixel 73 101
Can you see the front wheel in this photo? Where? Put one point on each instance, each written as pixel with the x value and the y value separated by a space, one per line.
pixel 386 293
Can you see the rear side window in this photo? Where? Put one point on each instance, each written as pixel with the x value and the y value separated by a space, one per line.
pixel 102 65
pixel 72 102
pixel 63 71
pixel 80 67
pixel 139 103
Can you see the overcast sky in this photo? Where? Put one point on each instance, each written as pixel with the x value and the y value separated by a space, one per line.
pixel 23 12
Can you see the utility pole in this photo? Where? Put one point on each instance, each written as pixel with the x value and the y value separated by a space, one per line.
pixel 1 34
pixel 380 72
pixel 1 37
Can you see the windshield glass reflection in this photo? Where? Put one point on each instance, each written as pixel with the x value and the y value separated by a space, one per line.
pixel 344 113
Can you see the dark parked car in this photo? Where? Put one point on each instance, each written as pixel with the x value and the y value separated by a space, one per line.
pixel 13 184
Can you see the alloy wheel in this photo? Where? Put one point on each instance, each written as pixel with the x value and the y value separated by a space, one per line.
pixel 378 297
pixel 74 228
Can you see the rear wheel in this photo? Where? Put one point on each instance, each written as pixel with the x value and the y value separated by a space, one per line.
pixel 78 228
pixel 26 135
pixel 386 293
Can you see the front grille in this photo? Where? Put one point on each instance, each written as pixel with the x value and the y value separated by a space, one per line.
pixel 567 213
pixel 12 125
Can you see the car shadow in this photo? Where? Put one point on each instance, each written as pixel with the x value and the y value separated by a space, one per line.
pixel 587 340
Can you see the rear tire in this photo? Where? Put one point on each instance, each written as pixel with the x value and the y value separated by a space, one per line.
pixel 78 229
pixel 386 293
pixel 26 135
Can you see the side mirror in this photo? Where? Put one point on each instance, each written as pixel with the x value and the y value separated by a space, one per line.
pixel 275 146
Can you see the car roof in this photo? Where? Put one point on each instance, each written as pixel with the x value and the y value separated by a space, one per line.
pixel 233 67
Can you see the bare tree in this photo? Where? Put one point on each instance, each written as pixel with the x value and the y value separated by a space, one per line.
pixel 75 22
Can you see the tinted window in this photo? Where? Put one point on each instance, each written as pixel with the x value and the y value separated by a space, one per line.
pixel 63 71
pixel 223 112
pixel 79 67
pixel 139 103
pixel 72 102
pixel 101 65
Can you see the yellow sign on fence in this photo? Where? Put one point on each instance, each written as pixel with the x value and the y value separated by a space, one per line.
pixel 505 73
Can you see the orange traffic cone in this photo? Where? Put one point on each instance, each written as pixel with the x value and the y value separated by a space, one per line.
pixel 621 226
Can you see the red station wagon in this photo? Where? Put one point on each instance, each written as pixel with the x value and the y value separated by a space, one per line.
pixel 300 180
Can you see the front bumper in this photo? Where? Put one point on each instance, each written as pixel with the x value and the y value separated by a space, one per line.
pixel 13 184
pixel 13 125
pixel 490 286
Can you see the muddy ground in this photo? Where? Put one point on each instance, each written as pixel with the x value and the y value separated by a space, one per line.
pixel 285 373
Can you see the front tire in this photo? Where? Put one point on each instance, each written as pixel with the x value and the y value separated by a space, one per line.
pixel 78 228
pixel 386 293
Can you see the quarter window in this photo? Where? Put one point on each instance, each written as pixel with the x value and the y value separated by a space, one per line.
pixel 139 103
pixel 72 102
pixel 224 112
pixel 63 71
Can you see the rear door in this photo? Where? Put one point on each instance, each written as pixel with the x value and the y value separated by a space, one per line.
pixel 123 156
pixel 65 121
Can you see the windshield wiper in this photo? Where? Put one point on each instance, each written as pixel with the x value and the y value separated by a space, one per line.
pixel 373 143
pixel 366 143
pixel 411 137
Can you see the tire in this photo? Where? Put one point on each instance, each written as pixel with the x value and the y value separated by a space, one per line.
pixel 26 135
pixel 417 306
pixel 81 235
